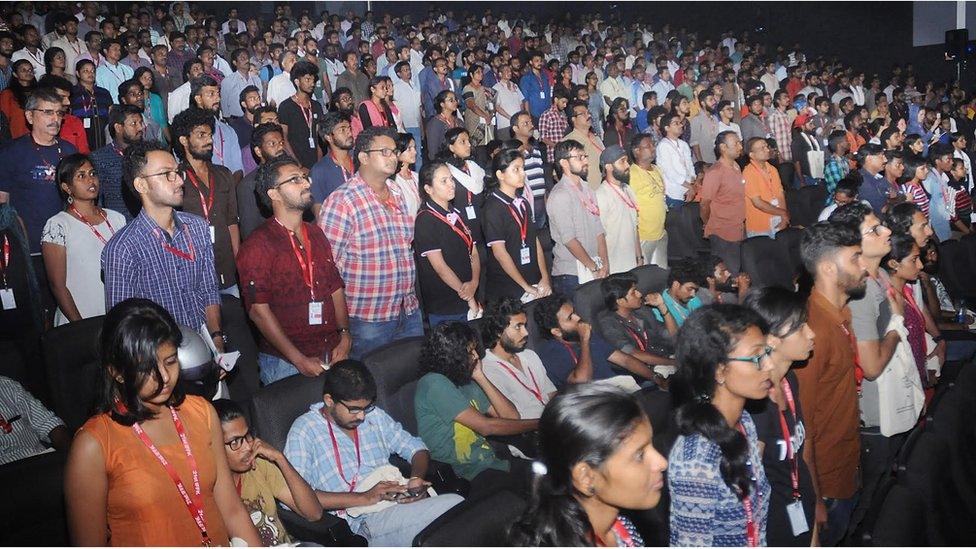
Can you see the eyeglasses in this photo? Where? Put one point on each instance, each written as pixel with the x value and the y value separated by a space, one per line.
pixel 385 152
pixel 300 178
pixel 171 175
pixel 876 230
pixel 584 113
pixel 579 156
pixel 755 359
pixel 60 113
pixel 355 410
pixel 235 443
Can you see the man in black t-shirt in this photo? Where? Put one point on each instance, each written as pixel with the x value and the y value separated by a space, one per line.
pixel 300 114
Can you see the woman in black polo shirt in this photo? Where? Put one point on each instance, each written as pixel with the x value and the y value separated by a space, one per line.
pixel 447 264
pixel 469 198
pixel 516 263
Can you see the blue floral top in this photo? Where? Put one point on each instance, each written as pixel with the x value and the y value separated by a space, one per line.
pixel 705 512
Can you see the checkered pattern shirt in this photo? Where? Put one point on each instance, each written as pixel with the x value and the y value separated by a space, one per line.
pixel 553 125
pixel 371 243
pixel 136 264
pixel 835 170
pixel 309 449
pixel 779 127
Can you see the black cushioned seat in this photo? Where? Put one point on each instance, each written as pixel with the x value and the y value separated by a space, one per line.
pixel 767 262
pixel 72 369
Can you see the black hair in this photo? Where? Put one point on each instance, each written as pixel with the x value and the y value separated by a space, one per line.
pixel 109 42
pixel 54 81
pixel 446 352
pixel 266 176
pixel 562 151
pixel 703 344
pixel 720 140
pixel 117 115
pixel 581 424
pixel 349 379
pixel 68 167
pixel 783 310
pixel 301 69
pixel 228 410
pixel 134 160
pixel 939 150
pixel 545 312
pixel 131 335
pixel 852 214
pixel 497 315
pixel 49 58
pixel 684 271
pixel 866 150
pixel 901 247
pixel 823 239
pixel 257 136
pixel 197 84
pixel 250 88
pixel 616 286
pixel 910 140
pixel 426 176
pixel 365 139
pixel 334 100
pixel 183 125
pixel 834 139
pixel 899 217
pixel 440 99
pixel 849 186
pixel 329 122
pixel 124 87
pixel 505 158
pixel 188 64
pixel 19 91
pixel 450 138
pixel 137 75
pixel 403 141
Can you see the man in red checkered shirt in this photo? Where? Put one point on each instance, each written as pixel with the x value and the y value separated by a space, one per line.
pixel 553 123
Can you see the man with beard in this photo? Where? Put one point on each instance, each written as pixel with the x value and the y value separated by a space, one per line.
pixel 301 114
pixel 336 167
pixel 618 211
pixel 342 102
pixel 267 142
pixel 125 126
pixel 829 382
pixel 163 255
pixel 249 101
pixel 517 372
pixel 723 208
pixel 205 96
pixel 31 51
pixel 209 191
pixel 292 290
pixel 704 127
pixel 235 84
pixel 132 93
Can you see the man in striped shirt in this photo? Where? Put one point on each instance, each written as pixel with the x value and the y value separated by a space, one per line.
pixel 26 424
pixel 536 180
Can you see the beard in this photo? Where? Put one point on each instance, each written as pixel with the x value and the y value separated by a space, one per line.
pixel 855 288
pixel 571 337
pixel 204 154
pixel 582 173
pixel 622 177
pixel 510 346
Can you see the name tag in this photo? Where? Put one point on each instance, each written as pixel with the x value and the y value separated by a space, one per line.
pixel 7 299
pixel 798 519
pixel 311 142
pixel 542 95
pixel 470 213
pixel 213 235
pixel 525 256
pixel 315 313
pixel 87 122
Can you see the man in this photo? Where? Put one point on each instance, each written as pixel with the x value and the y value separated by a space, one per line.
pixel 618 211
pixel 353 78
pixel 647 184
pixel 807 152
pixel 126 127
pixel 553 124
pixel 301 114
pixel 674 159
pixel 537 177
pixel 72 127
pixel 72 46
pixel 754 124
pixel 132 93
pixel 31 51
pixel 680 296
pixel 208 192
pixel 937 186
pixel 432 82
pixel 580 246
pixel 281 86
pixel 874 188
pixel 844 193
pixel 704 127
pixel 248 101
pixel 347 428
pixel 179 98
pixel 831 252
pixel 765 202
pixel 959 143
pixel 266 142
pixel 232 86
pixel 613 87
pixel 134 57
pixel 769 79
pixel 581 122
pixel 30 165
pixel 335 168
pixel 112 73
pixel 165 81
pixel 633 330
pixel 517 372
pixel 205 95
pixel 163 255
pixel 723 202
pixel 780 125
pixel 292 290
pixel 371 234
pixel 837 166
pixel 852 124
pixel 662 82
pixel 28 426
pixel 406 94
pixel 894 168
pixel 535 88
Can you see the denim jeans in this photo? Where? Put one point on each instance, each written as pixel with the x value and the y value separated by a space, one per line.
pixel 960 349
pixel 565 285
pixel 839 513
pixel 436 320
pixel 673 203
pixel 415 132
pixel 273 368
pixel 367 336
pixel 396 526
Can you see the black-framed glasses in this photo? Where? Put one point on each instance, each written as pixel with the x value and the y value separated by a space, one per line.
pixel 235 443
pixel 356 410
pixel 60 113
pixel 755 359
pixel 384 152
pixel 579 156
pixel 300 178
pixel 171 175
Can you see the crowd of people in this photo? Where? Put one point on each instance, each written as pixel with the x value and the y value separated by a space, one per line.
pixel 308 188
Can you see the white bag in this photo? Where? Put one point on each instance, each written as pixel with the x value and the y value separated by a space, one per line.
pixel 900 396
pixel 816 160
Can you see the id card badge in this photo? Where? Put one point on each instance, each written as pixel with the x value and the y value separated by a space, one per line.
pixel 525 257
pixel 87 122
pixel 469 212
pixel 311 142
pixel 798 519
pixel 213 235
pixel 7 299
pixel 315 313
pixel 542 95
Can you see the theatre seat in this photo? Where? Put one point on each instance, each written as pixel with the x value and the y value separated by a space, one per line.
pixel 32 509
pixel 588 300
pixel 685 232
pixel 72 369
pixel 479 523
pixel 650 278
pixel 767 262
pixel 274 408
pixel 396 368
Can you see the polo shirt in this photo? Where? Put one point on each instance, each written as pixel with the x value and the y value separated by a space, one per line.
pixel 560 359
pixel 642 332
pixel 570 217
pixel 724 188
pixel 501 229
pixel 432 234
pixel 327 176
pixel 221 199
pixel 766 185
pixel 301 129
pixel 648 187
pixel 874 189
pixel 271 274
pixel 528 388
pixel 828 394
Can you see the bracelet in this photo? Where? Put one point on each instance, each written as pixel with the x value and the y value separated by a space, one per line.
pixel 665 313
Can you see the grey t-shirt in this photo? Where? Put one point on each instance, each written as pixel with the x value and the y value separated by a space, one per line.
pixel 869 318
pixel 569 218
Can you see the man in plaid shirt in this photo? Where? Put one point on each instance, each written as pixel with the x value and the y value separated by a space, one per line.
pixel 780 124
pixel 837 166
pixel 553 123
pixel 367 222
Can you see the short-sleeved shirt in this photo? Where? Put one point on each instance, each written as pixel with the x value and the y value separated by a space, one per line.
pixel 560 359
pixel 501 229
pixel 570 218
pixel 869 319
pixel 258 489
pixel 433 234
pixel 107 161
pixel 437 402
pixel 327 176
pixel 648 187
pixel 642 330
pixel 301 129
pixel 528 388
pixel 35 424
pixel 271 274
pixel 724 188
pixel 765 185
pixel 222 214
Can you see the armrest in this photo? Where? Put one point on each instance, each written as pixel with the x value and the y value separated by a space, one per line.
pixel 329 531
pixel 439 474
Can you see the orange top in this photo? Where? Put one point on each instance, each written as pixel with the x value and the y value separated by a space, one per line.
pixel 15 114
pixel 144 506
pixel 765 185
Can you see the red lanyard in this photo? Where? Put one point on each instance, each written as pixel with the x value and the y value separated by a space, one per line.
pixel 74 210
pixel 346 174
pixel 207 205
pixel 189 255
pixel 623 196
pixel 588 203
pixel 87 105
pixel 572 353
pixel 752 531
pixel 449 122
pixel 520 220
pixel 195 504
pixel 307 117
pixel 304 263
pixel 7 426
pixel 640 341
pixel 858 371
pixel 622 534
pixel 464 233
pixel 6 259
pixel 338 458
pixel 537 392
pixel 788 438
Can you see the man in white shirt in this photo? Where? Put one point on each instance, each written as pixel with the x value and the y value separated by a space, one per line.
pixel 111 73
pixel 31 51
pixel 281 87
pixel 674 160
pixel 663 84
pixel 613 87
pixel 508 101
pixel 179 99
pixel 72 46
pixel 406 96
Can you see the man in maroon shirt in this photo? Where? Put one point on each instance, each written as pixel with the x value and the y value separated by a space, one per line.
pixel 289 282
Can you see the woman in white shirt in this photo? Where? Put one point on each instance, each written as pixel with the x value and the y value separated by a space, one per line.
pixel 72 242
pixel 406 177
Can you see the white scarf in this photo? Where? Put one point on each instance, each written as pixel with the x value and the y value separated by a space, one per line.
pixel 474 182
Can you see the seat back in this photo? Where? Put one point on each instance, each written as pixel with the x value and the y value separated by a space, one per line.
pixel 396 368
pixel 275 407
pixel 685 231
pixel 73 369
pixel 535 338
pixel 765 260
pixel 790 238
pixel 32 509
pixel 482 522
pixel 650 278
pixel 588 300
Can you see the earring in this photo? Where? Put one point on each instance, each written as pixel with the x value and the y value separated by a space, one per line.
pixel 590 491
pixel 721 382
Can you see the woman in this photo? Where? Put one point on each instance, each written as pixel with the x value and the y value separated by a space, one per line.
pixel 448 264
pixel 375 111
pixel 719 491
pixel 55 62
pixel 446 105
pixel 961 219
pixel 595 104
pixel 153 105
pixel 596 459
pixel 904 265
pixel 516 263
pixel 456 153
pixel 913 144
pixel 13 99
pixel 916 170
pixel 565 81
pixel 406 178
pixel 73 237
pixel 618 130
pixel 779 419
pixel 391 104
pixel 478 100
pixel 150 468
pixel 90 103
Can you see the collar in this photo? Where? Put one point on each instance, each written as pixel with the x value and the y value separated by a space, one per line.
pixel 820 301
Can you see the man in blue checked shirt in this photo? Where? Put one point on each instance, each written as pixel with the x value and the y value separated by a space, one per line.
pixel 339 444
